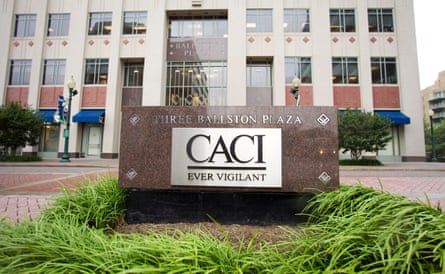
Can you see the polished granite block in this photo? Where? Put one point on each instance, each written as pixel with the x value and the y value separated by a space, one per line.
pixel 307 142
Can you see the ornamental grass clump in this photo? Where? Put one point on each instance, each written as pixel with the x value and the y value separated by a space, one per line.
pixel 350 230
pixel 359 230
pixel 98 203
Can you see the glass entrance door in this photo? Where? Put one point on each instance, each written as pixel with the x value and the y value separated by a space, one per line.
pixel 259 83
pixel 92 140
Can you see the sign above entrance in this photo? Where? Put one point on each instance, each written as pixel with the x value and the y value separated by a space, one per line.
pixel 197 49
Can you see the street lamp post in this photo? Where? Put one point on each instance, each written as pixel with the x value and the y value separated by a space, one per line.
pixel 71 84
pixel 433 144
pixel 295 89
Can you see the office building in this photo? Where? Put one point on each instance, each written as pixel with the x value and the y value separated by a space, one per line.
pixel 346 53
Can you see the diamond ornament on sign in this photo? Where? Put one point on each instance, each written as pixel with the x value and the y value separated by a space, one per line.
pixel 134 119
pixel 131 174
pixel 323 119
pixel 324 177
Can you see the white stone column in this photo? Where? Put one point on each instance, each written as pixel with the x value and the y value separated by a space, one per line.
pixel 111 131
pixel 321 54
pixel 74 67
pixel 278 75
pixel 366 97
pixel 236 54
pixel 37 53
pixel 6 28
pixel 413 146
pixel 153 93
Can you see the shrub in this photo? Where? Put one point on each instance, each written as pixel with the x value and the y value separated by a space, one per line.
pixel 17 158
pixel 96 204
pixel 361 162
pixel 350 230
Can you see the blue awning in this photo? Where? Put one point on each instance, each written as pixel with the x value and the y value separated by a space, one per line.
pixel 396 117
pixel 47 115
pixel 89 116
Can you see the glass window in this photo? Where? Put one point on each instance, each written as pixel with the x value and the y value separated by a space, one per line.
pixel 342 20
pixel 133 74
pixel 259 75
pixel 300 67
pixel 25 25
pixel 58 25
pixel 49 138
pixel 384 70
pixel 296 20
pixel 345 70
pixel 196 83
pixel 380 20
pixel 53 72
pixel 19 72
pixel 135 22
pixel 96 71
pixel 259 20
pixel 99 23
pixel 204 26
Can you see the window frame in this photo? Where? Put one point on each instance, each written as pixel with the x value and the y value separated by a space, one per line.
pixel 183 83
pixel 387 68
pixel 25 25
pixel 379 15
pixel 342 16
pixel 58 67
pixel 198 26
pixel 137 21
pixel 301 67
pixel 62 24
pixel 297 20
pixel 347 65
pixel 22 67
pixel 98 66
pixel 259 20
pixel 252 79
pixel 133 75
pixel 102 27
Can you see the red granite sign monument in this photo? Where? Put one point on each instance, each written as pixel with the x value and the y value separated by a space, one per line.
pixel 231 150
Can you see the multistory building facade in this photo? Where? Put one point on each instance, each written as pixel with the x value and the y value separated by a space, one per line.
pixel 346 53
pixel 434 100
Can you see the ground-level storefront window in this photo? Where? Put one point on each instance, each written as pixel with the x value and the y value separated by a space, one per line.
pixel 49 138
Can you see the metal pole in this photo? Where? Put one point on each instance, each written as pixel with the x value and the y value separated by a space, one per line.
pixel 433 144
pixel 295 89
pixel 297 95
pixel 66 132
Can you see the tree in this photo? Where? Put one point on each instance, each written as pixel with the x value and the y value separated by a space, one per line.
pixel 19 126
pixel 362 132
pixel 439 138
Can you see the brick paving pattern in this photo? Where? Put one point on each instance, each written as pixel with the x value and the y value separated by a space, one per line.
pixel 25 195
pixel 415 188
pixel 20 207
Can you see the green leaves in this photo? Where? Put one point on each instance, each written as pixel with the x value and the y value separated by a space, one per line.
pixel 362 132
pixel 19 126
pixel 351 230
pixel 96 204
pixel 374 232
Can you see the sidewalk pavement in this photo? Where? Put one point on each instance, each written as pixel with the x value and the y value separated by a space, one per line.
pixel 25 195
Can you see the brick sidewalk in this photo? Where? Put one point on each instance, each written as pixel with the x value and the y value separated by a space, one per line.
pixel 415 188
pixel 25 195
pixel 18 207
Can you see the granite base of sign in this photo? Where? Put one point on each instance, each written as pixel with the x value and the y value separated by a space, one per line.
pixel 225 208
pixel 235 164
